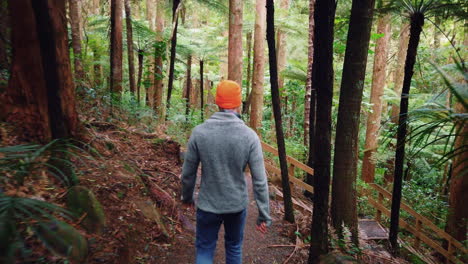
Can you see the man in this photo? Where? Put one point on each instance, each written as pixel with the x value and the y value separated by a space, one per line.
pixel 225 146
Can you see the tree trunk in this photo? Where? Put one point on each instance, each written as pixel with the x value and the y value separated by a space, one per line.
pixel 398 75
pixel 116 49
pixel 343 206
pixel 150 10
pixel 25 101
pixel 131 55
pixel 175 6
pixel 51 26
pixel 140 73
pixel 235 41
pixel 246 104
pixel 188 87
pixel 281 47
pixel 378 84
pixel 75 23
pixel 150 13
pixel 202 104
pixel 256 100
pixel 417 21
pixel 275 98
pixel 399 72
pixel 160 50
pixel 96 7
pixel 322 82
pixel 310 101
pixel 458 211
pixel 5 40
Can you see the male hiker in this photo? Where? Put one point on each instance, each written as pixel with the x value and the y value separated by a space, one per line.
pixel 225 146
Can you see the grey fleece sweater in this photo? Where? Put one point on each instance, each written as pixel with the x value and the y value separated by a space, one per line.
pixel 225 145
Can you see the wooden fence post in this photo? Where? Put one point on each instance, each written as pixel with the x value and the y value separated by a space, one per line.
pixel 417 242
pixel 378 216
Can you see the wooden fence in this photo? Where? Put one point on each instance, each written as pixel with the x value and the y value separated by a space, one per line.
pixel 419 228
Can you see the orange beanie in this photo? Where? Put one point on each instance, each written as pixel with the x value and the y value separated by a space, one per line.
pixel 228 94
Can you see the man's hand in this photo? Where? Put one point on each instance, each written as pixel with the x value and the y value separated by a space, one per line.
pixel 262 228
pixel 188 206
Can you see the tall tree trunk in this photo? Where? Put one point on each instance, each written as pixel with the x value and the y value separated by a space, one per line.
pixel 275 98
pixel 417 22
pixel 202 103
pixel 116 49
pixel 398 75
pixel 310 101
pixel 130 53
pixel 399 72
pixel 437 33
pixel 160 50
pixel 25 102
pixel 170 83
pixel 378 84
pixel 281 47
pixel 74 9
pixel 281 55
pixel 343 206
pixel 322 82
pixel 5 41
pixel 140 73
pixel 235 41
pixel 256 99
pixel 458 211
pixel 188 87
pixel 96 7
pixel 246 105
pixel 51 26
pixel 131 64
pixel 150 13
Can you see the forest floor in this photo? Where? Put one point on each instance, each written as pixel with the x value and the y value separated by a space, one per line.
pixel 136 177
pixel 135 233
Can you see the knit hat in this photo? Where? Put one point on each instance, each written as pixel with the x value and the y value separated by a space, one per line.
pixel 228 94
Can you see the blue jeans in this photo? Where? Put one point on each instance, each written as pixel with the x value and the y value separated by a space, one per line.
pixel 208 225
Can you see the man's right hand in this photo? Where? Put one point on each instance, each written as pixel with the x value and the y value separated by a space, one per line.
pixel 188 206
pixel 262 228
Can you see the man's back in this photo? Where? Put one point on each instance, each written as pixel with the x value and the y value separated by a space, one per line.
pixel 223 145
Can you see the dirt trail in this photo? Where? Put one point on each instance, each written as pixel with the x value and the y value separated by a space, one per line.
pixel 255 248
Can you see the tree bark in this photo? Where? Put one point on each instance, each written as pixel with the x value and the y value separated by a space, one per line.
pixel 378 84
pixel 75 23
pixel 116 49
pixel 246 105
pixel 51 26
pixel 160 50
pixel 25 102
pixel 343 206
pixel 202 103
pixel 96 7
pixel 399 72
pixel 256 100
pixel 458 211
pixel 417 21
pixel 235 41
pixel 281 47
pixel 175 6
pixel 188 87
pixel 140 73
pixel 130 53
pixel 275 97
pixel 322 82
pixel 5 40
pixel 150 88
pixel 310 101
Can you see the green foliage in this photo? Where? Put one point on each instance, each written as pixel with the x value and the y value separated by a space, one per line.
pixel 22 161
pixel 18 216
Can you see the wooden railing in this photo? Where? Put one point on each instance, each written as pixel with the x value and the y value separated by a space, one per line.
pixel 417 229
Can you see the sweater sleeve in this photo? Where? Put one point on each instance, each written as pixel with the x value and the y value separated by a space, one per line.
pixel 259 181
pixel 189 170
